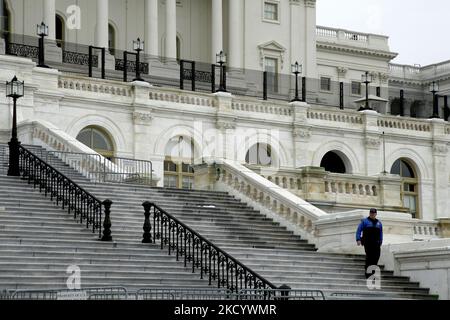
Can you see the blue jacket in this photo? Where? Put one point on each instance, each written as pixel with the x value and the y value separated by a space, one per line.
pixel 369 232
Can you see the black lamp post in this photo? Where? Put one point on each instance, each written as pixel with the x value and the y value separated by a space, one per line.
pixel 14 89
pixel 42 32
pixel 221 59
pixel 434 88
pixel 138 46
pixel 366 78
pixel 296 69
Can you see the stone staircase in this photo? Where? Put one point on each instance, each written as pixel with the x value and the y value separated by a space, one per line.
pixel 40 240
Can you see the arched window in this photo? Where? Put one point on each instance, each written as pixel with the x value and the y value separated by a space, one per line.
pixel 332 162
pixel 260 154
pixel 178 49
pixel 59 30
pixel 97 140
pixel 409 190
pixel 5 23
pixel 111 39
pixel 178 171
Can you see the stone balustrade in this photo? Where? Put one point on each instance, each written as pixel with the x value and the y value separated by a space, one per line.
pixel 178 96
pixel 373 41
pixel 98 86
pixel 411 124
pixel 424 230
pixel 333 116
pixel 276 109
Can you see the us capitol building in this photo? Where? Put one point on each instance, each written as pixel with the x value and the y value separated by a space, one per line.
pixel 308 124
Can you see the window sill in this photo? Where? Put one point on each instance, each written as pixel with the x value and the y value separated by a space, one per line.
pixel 271 21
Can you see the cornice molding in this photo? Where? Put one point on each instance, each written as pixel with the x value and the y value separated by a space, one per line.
pixel 361 51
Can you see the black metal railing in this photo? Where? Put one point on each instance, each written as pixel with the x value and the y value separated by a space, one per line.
pixel 85 208
pixel 202 254
pixel 246 82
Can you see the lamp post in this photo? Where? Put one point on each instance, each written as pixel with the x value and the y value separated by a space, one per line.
pixel 138 46
pixel 14 89
pixel 296 69
pixel 366 78
pixel 42 32
pixel 434 88
pixel 221 59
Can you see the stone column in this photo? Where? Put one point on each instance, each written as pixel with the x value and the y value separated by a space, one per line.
pixel 50 18
pixel 296 37
pixel 216 29
pixel 236 33
pixel 102 34
pixel 151 27
pixel 52 51
pixel 2 28
pixel 171 29
pixel 310 63
pixel 101 31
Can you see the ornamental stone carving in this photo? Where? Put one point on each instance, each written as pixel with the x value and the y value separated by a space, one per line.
pixel 373 143
pixel 384 77
pixel 441 149
pixel 310 3
pixel 225 125
pixel 342 71
pixel 301 133
pixel 142 117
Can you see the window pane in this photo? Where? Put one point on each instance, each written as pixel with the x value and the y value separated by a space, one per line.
pixel 99 141
pixel 270 11
pixel 187 168
pixel 356 88
pixel 407 171
pixel 85 137
pixel 170 166
pixel 170 181
pixel 188 182
pixel 325 84
pixel 396 168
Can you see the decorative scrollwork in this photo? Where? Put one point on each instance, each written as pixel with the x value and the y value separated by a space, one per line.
pixel 23 50
pixel 78 58
pixel 131 66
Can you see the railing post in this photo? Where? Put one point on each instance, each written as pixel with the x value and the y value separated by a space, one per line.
pixel 402 103
pixel 224 77
pixel 107 222
pixel 265 85
pixel 147 236
pixel 303 89
pixel 341 95
pixel 213 78
pixel 125 63
pixel 103 62
pixel 181 74
pixel 193 76
pixel 90 61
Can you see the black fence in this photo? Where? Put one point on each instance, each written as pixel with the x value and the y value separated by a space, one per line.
pixel 205 77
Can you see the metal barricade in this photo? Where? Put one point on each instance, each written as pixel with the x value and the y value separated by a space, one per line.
pixel 107 293
pixel 280 294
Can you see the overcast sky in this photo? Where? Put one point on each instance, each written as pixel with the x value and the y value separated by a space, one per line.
pixel 418 30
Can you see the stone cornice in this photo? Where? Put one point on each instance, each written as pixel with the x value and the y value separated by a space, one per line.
pixel 355 50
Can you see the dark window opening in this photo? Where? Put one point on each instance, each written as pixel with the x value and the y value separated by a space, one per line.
pixel 332 162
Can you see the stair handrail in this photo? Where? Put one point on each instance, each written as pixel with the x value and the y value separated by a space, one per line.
pixel 65 191
pixel 202 253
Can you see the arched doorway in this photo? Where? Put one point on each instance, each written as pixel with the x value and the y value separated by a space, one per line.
pixel 260 154
pixel 410 185
pixel 332 162
pixel 59 31
pixel 98 140
pixel 111 39
pixel 179 158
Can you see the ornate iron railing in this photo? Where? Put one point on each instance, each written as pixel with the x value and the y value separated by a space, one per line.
pixel 131 66
pixel 84 206
pixel 78 58
pixel 23 50
pixel 202 254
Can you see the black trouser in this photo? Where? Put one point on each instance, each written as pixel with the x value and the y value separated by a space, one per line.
pixel 372 256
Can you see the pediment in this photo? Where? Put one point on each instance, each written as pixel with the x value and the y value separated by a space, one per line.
pixel 272 46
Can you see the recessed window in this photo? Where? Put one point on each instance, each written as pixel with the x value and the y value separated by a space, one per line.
pixel 356 88
pixel 271 67
pixel 270 11
pixel 325 84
